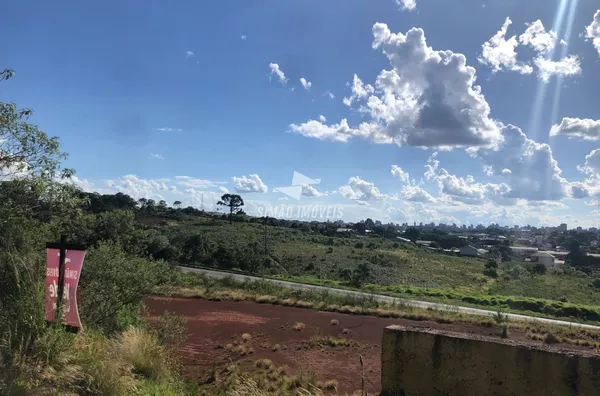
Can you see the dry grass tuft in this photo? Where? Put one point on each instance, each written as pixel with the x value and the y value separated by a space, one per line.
pixel 550 338
pixel 276 347
pixel 334 322
pixel 246 337
pixel 299 326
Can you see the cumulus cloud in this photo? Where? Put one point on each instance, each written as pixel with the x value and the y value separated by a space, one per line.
pixel 322 118
pixel 311 191
pixel 538 38
pixel 592 164
pixel 400 174
pixel 529 167
pixel 407 4
pixel 360 190
pixel 305 84
pixel 359 90
pixel 251 183
pixel 499 53
pixel 189 54
pixel 428 99
pixel 586 128
pixel 275 70
pixel 567 66
pixel 416 194
pixel 156 156
pixel 592 32
pixel 194 182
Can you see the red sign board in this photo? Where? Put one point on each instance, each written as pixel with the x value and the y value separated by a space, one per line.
pixel 73 265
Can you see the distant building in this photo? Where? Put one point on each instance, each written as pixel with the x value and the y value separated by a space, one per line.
pixel 562 227
pixel 472 251
pixel 543 257
pixel 403 239
pixel 424 243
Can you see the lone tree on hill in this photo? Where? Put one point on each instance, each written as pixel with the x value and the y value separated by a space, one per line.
pixel 234 202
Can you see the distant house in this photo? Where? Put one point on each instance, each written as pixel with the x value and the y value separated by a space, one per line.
pixel 469 251
pixel 403 239
pixel 344 230
pixel 472 251
pixel 543 257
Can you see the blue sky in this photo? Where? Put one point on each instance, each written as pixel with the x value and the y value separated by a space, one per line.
pixel 182 100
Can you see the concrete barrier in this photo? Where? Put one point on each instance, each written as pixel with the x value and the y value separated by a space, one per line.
pixel 424 362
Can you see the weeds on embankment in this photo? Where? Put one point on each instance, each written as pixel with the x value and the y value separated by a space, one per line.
pixel 201 286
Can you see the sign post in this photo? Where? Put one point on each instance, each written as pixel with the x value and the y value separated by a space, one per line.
pixel 63 269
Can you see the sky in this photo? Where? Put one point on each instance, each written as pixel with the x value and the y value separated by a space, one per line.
pixel 397 110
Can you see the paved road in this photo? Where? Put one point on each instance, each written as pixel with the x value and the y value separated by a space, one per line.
pixel 388 299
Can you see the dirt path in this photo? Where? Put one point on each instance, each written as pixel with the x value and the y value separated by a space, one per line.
pixel 214 324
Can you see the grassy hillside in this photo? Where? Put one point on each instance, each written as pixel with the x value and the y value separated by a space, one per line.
pixel 316 258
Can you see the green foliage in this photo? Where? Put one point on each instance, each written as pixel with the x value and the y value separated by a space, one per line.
pixel 540 268
pixel 412 233
pixel 171 329
pixel 234 202
pixel 113 280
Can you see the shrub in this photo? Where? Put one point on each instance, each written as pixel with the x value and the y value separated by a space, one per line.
pixel 130 278
pixel 491 272
pixel 171 329
pixel 145 354
pixel 550 338
pixel 299 326
pixel 596 283
pixel 359 245
pixel 539 268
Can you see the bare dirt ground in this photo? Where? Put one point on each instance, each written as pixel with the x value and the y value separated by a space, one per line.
pixel 212 325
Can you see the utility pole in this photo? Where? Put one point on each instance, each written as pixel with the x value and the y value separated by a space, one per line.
pixel 266 250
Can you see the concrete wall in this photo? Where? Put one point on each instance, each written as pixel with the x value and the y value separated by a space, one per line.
pixel 423 362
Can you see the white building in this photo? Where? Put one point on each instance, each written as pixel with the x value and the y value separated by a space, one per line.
pixel 472 251
pixel 542 257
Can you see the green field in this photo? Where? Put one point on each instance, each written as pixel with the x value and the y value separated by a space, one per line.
pixel 397 268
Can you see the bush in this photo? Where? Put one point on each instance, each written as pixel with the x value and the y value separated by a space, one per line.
pixel 359 245
pixel 596 283
pixel 539 268
pixel 491 272
pixel 145 354
pixel 112 281
pixel 171 329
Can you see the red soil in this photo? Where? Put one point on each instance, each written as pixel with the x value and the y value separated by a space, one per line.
pixel 216 323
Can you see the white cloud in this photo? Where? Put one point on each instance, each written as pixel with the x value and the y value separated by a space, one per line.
pixel 193 182
pixel 329 94
pixel 592 164
pixel 360 190
pixel 189 54
pixel 322 118
pixel 567 66
pixel 407 4
pixel 169 129
pixel 499 53
pixel 538 38
pixel 278 72
pixel 529 167
pixel 138 188
pixel 428 99
pixel 359 90
pixel 586 128
pixel 156 156
pixel 243 37
pixel 223 189
pixel 400 174
pixel 592 32
pixel 305 84
pixel 311 191
pixel 251 183
pixel 432 166
pixel 416 194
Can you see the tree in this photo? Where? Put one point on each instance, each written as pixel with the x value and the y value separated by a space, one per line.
pixel 234 202
pixel 177 204
pixel 369 224
pixel 412 233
